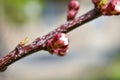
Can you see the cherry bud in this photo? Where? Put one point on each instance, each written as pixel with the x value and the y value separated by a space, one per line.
pixel 74 4
pixel 58 44
pixel 71 15
pixel 107 7
pixel 113 8
pixel 73 8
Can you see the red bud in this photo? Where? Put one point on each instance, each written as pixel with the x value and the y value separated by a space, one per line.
pixel 108 7
pixel 74 4
pixel 71 15
pixel 73 8
pixel 58 44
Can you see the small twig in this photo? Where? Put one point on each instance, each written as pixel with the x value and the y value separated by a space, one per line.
pixel 39 44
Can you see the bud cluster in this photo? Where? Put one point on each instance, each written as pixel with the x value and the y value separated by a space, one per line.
pixel 73 8
pixel 108 8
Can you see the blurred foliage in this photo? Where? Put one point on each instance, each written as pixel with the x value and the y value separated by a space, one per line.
pixel 21 11
pixel 14 10
pixel 113 70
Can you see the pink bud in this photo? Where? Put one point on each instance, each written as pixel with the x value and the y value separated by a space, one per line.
pixel 108 8
pixel 74 4
pixel 73 8
pixel 114 7
pixel 71 15
pixel 58 44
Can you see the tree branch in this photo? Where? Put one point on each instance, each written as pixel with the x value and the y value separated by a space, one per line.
pixel 39 44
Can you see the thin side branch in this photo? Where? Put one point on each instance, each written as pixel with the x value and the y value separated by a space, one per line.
pixel 39 44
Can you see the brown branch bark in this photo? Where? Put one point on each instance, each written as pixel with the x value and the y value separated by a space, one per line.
pixel 39 44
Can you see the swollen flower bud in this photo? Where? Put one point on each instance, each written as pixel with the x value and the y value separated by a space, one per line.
pixel 74 4
pixel 58 44
pixel 113 8
pixel 108 7
pixel 71 14
pixel 73 8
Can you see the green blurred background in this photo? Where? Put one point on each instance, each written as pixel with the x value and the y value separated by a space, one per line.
pixel 94 51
